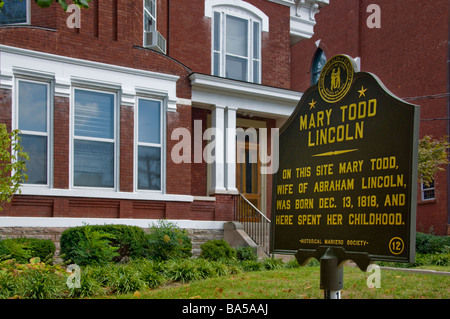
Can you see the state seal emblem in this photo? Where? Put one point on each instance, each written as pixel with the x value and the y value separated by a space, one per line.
pixel 336 78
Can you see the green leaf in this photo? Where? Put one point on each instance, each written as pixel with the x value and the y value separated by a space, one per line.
pixel 82 3
pixel 44 3
pixel 63 4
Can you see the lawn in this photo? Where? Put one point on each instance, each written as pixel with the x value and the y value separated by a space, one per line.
pixel 303 283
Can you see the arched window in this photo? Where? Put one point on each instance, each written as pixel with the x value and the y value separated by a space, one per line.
pixel 318 63
pixel 236 39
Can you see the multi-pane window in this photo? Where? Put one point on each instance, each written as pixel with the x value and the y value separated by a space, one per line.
pixel 428 191
pixel 94 139
pixel 33 122
pixel 318 63
pixel 236 47
pixel 149 15
pixel 149 145
pixel 15 12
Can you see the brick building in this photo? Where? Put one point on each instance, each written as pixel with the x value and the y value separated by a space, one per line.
pixel 115 113
pixel 409 52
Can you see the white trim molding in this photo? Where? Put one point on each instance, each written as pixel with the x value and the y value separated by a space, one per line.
pixel 66 71
pixel 210 5
pixel 245 97
pixel 45 222
pixel 303 18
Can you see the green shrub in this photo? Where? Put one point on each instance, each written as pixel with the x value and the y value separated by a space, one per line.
pixel 22 249
pixel 8 284
pixel 38 280
pixel 431 244
pixel 167 241
pixel 150 272
pixel 129 241
pixel 39 284
pixel 246 253
pixel 217 249
pixel 252 265
pixel 273 263
pixel 87 245
pixel 125 279
pixel 183 270
pixel 186 270
pixel 90 286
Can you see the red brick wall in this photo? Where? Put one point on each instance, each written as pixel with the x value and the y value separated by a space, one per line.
pixel 408 53
pixel 126 148
pixel 61 142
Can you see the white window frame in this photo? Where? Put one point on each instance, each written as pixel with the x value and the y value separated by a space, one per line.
pixel 116 141
pixel 425 188
pixel 49 133
pixel 251 18
pixel 146 11
pixel 163 110
pixel 28 17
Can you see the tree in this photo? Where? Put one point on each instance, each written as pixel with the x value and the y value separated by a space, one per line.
pixel 62 3
pixel 12 164
pixel 432 157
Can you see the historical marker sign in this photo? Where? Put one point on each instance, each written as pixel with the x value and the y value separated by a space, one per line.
pixel 347 169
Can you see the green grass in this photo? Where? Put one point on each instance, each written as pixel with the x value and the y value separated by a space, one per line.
pixel 303 283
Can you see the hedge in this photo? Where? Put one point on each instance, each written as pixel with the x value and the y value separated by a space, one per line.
pixel 102 243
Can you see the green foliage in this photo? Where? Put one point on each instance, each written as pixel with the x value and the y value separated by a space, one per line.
pixel 12 164
pixel 246 253
pixel 273 263
pixel 87 245
pixel 167 241
pixel 252 265
pixel 35 280
pixel 431 244
pixel 432 157
pixel 217 249
pixel 150 272
pixel 118 242
pixel 131 241
pixel 63 3
pixel 22 249
pixel 125 279
pixel 89 285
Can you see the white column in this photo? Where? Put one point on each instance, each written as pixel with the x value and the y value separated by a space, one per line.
pixel 230 150
pixel 218 165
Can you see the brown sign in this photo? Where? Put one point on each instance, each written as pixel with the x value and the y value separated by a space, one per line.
pixel 347 169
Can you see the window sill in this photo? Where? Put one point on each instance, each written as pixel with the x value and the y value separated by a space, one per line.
pixel 106 194
pixel 429 201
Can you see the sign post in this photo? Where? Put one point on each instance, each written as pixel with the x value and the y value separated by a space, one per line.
pixel 347 179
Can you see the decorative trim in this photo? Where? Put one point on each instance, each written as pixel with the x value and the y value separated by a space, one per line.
pixel 67 71
pixel 45 222
pixel 243 96
pixel 210 4
pixel 107 194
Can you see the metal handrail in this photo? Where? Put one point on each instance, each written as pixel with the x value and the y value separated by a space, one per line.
pixel 255 223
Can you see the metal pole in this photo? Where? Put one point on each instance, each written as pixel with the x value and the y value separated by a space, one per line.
pixel 331 275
